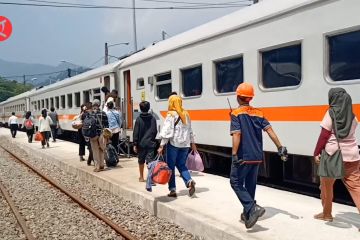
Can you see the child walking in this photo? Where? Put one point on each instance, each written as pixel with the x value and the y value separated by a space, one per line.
pixel 144 137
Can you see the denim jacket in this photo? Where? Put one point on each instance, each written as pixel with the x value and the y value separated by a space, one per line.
pixel 114 119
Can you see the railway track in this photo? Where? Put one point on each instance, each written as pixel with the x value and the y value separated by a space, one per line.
pixel 22 222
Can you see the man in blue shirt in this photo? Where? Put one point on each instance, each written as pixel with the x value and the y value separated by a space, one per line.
pixel 247 124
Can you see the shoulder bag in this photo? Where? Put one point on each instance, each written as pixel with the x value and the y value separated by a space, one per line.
pixel 332 166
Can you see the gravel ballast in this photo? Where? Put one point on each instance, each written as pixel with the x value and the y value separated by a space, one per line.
pixel 130 216
pixel 49 213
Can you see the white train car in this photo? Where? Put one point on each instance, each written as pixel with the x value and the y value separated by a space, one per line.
pixel 65 96
pixel 293 51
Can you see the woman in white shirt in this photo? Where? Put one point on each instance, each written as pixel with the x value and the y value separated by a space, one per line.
pixel 44 127
pixel 178 135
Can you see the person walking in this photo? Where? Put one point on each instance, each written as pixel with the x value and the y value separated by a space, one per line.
pixel 13 124
pixel 81 139
pixel 144 135
pixel 114 119
pixel 247 124
pixel 55 123
pixel 29 125
pixel 341 111
pixel 44 127
pixel 98 143
pixel 178 135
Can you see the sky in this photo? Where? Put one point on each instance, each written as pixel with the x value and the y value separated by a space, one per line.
pixel 50 35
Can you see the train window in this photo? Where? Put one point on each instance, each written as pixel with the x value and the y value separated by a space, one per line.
pixel 52 103
pixel 42 104
pixel 140 83
pixel 38 105
pixel 62 101
pixel 192 81
pixel 77 99
pixel 163 85
pixel 96 94
pixel 86 96
pixel 69 100
pixel 281 67
pixel 344 56
pixel 47 103
pixel 57 104
pixel 229 74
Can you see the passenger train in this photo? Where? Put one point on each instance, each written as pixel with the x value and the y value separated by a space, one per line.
pixel 293 51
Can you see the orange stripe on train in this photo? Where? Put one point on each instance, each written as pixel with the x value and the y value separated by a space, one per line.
pixel 275 114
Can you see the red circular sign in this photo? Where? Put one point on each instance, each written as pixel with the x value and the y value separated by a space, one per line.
pixel 5 28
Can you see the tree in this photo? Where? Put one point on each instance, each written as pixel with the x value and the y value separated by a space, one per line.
pixel 11 88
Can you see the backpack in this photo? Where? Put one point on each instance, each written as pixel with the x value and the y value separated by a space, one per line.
pixel 29 124
pixel 111 157
pixel 89 126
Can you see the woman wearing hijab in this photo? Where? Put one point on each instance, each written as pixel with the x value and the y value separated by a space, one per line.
pixel 340 108
pixel 44 127
pixel 178 135
pixel 29 126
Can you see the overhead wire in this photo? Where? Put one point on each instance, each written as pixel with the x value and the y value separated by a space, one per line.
pixel 86 6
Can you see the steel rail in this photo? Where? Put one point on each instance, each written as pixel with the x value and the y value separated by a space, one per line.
pixel 18 216
pixel 76 199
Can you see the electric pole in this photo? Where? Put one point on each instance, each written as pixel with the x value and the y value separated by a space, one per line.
pixel 24 80
pixel 106 54
pixel 163 33
pixel 134 23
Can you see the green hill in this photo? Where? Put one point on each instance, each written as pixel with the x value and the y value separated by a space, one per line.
pixel 12 88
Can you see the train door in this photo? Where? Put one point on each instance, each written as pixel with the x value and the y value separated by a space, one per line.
pixel 128 108
pixel 107 82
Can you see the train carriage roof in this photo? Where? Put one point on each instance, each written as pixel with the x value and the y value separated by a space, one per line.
pixel 244 17
pixel 100 71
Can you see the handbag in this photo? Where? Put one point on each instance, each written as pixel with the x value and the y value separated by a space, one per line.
pixel 161 173
pixel 332 166
pixel 77 122
pixel 39 136
pixel 194 161
pixel 59 131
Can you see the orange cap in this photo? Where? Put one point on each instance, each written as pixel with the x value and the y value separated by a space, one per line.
pixel 245 90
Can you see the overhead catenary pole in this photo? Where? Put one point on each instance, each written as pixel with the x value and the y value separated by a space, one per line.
pixel 24 79
pixel 134 28
pixel 106 53
pixel 163 33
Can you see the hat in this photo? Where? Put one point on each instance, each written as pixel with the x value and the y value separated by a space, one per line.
pixel 96 102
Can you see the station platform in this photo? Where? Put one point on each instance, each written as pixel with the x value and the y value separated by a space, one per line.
pixel 214 211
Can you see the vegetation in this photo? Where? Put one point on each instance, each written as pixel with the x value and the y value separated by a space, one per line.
pixel 12 88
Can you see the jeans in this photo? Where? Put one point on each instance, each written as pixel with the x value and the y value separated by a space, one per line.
pixel 53 132
pixel 243 181
pixel 177 157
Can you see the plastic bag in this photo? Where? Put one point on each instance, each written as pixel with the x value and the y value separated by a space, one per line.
pixel 194 162
pixel 39 136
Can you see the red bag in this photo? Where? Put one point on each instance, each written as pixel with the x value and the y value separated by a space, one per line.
pixel 39 136
pixel 161 173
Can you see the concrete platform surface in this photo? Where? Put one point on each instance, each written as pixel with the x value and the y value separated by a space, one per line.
pixel 214 211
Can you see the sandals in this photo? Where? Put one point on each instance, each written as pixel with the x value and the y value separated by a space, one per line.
pixel 141 180
pixel 191 187
pixel 322 217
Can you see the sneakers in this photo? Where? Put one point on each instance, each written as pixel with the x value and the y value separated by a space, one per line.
pixel 256 212
pixel 191 187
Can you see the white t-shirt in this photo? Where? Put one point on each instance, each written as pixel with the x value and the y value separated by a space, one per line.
pixel 13 120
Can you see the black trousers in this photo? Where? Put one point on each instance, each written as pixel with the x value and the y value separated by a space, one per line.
pixel 83 144
pixel 13 129
pixel 115 141
pixel 30 133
